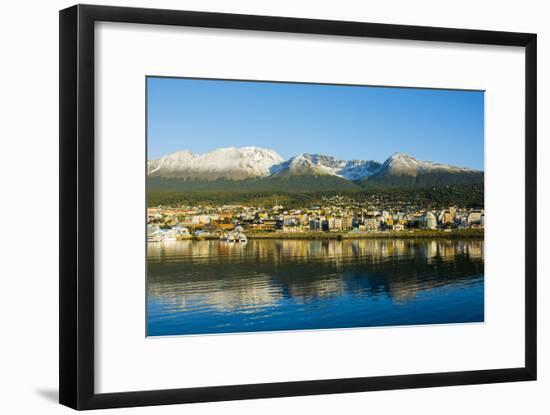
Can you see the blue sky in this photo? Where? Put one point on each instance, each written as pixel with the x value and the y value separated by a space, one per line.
pixel 348 122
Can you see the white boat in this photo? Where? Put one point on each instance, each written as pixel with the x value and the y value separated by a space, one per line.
pixel 181 232
pixel 234 237
pixel 169 235
pixel 154 238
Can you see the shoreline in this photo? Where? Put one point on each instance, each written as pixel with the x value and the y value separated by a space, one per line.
pixel 420 234
pixel 461 233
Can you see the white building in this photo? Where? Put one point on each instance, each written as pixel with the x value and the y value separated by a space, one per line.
pixel 201 219
pixel 429 221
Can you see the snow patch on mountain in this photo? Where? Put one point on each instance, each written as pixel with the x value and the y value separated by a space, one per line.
pixel 359 169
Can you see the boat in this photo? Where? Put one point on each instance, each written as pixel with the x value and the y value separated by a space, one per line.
pixel 234 237
pixel 154 238
pixel 170 238
pixel 181 232
pixel 167 235
pixel 154 234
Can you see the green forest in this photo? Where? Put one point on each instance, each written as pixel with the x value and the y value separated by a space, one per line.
pixel 430 197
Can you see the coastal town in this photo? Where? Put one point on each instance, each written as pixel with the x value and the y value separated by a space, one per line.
pixel 287 206
pixel 238 223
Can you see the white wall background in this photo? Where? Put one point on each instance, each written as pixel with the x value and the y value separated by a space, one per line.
pixel 29 206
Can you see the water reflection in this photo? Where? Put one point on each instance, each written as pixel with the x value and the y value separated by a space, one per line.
pixel 211 286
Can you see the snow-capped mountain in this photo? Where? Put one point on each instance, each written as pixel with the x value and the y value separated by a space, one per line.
pixel 400 164
pixel 319 164
pixel 306 170
pixel 228 163
pixel 404 170
pixel 245 162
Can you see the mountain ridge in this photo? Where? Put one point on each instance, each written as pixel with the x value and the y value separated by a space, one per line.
pixel 229 162
pixel 260 168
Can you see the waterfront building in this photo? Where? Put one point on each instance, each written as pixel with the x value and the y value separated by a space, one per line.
pixel 429 220
pixel 291 220
pixel 372 224
pixel 446 217
pixel 292 228
pixel 261 227
pixel 347 223
pixel 201 219
pixel 271 224
pixel 398 217
pixel 399 226
pixel 316 225
pixel 335 224
pixel 452 211
pixel 474 218
pixel 226 226
pixel 225 216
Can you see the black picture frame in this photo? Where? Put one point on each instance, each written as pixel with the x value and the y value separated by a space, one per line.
pixel 76 280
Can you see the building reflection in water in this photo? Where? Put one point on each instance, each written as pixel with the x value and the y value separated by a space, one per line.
pixel 193 276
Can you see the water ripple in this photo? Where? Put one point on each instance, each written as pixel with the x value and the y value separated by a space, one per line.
pixel 214 287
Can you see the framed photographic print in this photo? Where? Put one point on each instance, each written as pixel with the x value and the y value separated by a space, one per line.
pixel 260 206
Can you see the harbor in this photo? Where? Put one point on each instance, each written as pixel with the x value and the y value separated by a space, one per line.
pixel 170 235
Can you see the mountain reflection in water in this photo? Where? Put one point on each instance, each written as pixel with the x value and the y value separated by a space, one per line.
pixel 199 287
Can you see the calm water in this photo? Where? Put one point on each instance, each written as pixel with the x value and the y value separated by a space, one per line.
pixel 197 287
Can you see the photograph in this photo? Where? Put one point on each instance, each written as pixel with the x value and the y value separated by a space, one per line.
pixel 298 206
